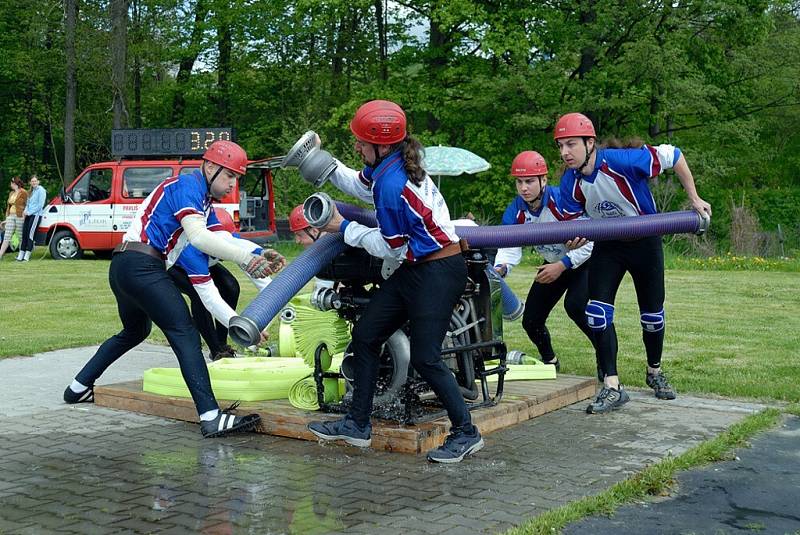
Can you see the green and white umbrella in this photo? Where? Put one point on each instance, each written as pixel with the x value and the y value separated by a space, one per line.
pixel 452 161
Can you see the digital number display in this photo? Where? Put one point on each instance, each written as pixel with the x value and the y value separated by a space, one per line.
pixel 166 141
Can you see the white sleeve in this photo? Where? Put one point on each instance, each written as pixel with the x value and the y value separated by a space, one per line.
pixel 371 239
pixel 214 303
pixel 348 181
pixel 666 155
pixel 510 256
pixel 249 246
pixel 580 255
pixel 194 227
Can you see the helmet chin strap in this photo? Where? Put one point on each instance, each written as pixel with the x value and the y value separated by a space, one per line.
pixel 538 198
pixel 588 155
pixel 213 178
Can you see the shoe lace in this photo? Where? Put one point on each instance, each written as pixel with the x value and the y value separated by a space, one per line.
pixel 232 407
pixel 660 380
pixel 603 395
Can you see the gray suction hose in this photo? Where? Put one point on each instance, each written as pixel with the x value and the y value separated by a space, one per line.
pixel 246 328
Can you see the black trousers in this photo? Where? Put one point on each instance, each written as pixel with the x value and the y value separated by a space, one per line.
pixel 213 332
pixel 542 298
pixel 146 294
pixel 29 226
pixel 424 295
pixel 644 260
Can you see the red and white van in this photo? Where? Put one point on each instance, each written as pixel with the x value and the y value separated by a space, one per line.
pixel 96 210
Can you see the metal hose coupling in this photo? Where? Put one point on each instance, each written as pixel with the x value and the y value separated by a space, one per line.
pixel 244 331
pixel 318 209
pixel 325 299
pixel 315 165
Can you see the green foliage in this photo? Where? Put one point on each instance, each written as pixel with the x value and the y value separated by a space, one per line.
pixel 718 79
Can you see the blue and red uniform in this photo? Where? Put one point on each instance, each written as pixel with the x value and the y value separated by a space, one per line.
pixel 542 298
pixel 145 293
pixel 413 224
pixel 618 186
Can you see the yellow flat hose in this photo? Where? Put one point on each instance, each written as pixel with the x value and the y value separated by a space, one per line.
pixel 251 379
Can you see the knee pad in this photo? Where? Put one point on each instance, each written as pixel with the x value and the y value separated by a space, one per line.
pixel 599 315
pixel 652 321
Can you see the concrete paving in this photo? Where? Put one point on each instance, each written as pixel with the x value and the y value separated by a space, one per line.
pixel 87 469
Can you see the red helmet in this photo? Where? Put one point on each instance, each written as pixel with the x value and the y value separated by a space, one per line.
pixel 225 220
pixel 574 125
pixel 297 221
pixel 227 154
pixel 528 163
pixel 380 122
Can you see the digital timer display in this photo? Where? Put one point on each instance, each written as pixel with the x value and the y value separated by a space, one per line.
pixel 166 141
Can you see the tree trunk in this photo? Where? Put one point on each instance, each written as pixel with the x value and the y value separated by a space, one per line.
pixel 224 41
pixel 382 47
pixel 187 63
pixel 70 22
pixel 437 61
pixel 119 52
pixel 137 66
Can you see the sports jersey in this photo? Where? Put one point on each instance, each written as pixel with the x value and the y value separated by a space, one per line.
pixel 195 263
pixel 519 212
pixel 158 219
pixel 413 221
pixel 618 185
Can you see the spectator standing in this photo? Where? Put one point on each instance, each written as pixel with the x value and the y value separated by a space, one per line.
pixel 17 199
pixel 34 210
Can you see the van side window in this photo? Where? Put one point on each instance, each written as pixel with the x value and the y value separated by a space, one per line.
pixel 92 186
pixel 188 170
pixel 138 182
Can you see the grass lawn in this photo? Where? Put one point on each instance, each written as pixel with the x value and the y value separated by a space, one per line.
pixel 731 333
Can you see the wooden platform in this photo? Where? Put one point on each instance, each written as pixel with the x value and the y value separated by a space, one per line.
pixel 522 400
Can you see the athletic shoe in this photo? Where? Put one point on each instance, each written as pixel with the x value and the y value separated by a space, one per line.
pixel 227 423
pixel 658 382
pixel 87 396
pixel 607 400
pixel 345 429
pixel 225 352
pixel 457 445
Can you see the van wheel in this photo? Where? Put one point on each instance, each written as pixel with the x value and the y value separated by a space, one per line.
pixel 64 246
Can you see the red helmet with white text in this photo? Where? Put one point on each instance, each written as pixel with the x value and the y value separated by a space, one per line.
pixel 528 163
pixel 573 125
pixel 228 155
pixel 380 122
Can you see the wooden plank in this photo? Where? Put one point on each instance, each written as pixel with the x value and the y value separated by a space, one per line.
pixel 522 400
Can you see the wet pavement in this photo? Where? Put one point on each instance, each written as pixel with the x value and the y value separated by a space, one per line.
pixel 758 492
pixel 87 469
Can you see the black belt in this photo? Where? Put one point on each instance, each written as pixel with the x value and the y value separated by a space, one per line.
pixel 138 247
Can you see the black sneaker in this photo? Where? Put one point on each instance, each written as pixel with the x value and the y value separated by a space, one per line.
pixel 457 445
pixel 345 429
pixel 225 352
pixel 227 423
pixel 607 400
pixel 658 382
pixel 87 396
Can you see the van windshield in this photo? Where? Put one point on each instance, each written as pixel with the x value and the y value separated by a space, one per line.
pixel 138 182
